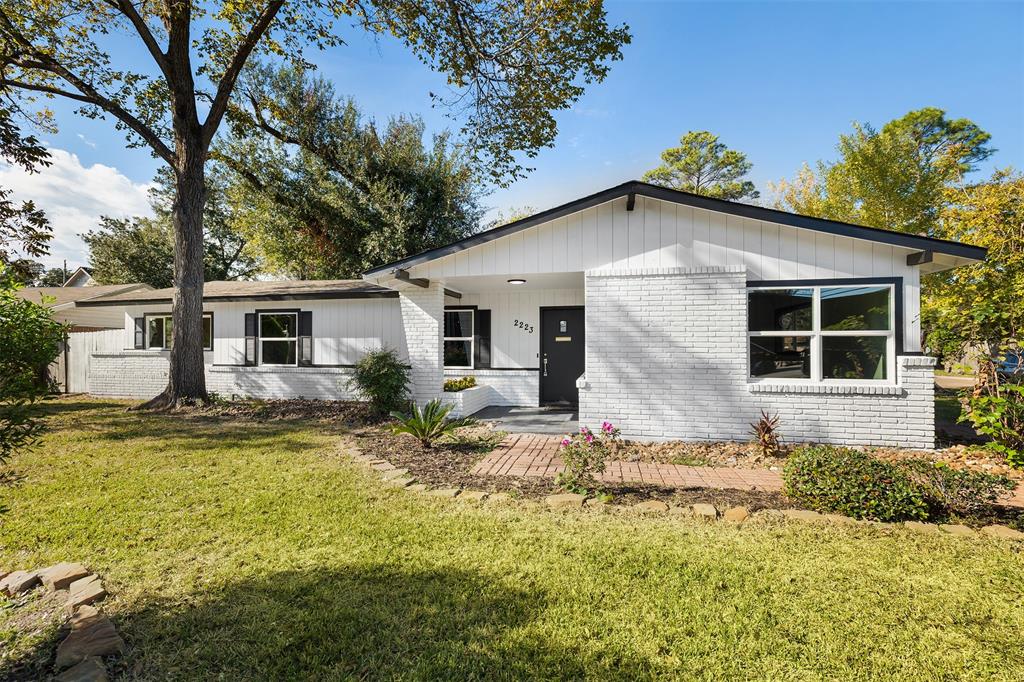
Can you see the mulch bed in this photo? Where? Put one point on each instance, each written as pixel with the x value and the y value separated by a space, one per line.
pixel 346 413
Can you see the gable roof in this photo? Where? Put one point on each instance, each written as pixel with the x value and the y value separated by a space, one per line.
pixel 281 290
pixel 634 187
pixel 65 296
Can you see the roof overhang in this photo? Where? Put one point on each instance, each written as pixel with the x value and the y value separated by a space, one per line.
pixel 961 252
pixel 313 295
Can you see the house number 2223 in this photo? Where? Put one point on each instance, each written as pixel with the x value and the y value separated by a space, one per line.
pixel 523 325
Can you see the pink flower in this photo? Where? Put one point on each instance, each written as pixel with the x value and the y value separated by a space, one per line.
pixel 607 427
pixel 590 437
pixel 566 442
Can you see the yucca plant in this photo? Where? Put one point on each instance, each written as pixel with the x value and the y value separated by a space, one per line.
pixel 429 424
pixel 766 436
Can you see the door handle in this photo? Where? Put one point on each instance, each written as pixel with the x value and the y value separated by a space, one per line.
pixel 545 364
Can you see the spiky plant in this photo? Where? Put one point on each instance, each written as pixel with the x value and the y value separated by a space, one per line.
pixel 767 439
pixel 429 424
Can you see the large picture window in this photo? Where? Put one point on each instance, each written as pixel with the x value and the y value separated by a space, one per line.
pixel 160 331
pixel 458 339
pixel 822 333
pixel 279 338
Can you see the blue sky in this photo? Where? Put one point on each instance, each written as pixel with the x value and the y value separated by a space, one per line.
pixel 777 80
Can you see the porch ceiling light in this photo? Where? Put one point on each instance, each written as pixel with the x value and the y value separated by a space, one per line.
pixel 517 281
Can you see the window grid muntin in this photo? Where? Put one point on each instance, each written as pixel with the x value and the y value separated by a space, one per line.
pixel 166 327
pixel 290 340
pixel 816 335
pixel 471 338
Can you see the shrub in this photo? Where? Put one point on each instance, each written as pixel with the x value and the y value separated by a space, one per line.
pixel 460 384
pixel 850 482
pixel 767 439
pixel 584 455
pixel 429 424
pixel 1000 416
pixel 382 379
pixel 956 490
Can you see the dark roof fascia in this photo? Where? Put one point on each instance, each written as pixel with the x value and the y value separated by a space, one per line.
pixel 874 234
pixel 317 295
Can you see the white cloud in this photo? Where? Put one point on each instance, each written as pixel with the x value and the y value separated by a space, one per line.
pixel 74 197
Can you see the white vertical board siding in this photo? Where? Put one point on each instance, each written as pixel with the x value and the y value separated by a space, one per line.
pixel 513 347
pixel 660 234
pixel 343 329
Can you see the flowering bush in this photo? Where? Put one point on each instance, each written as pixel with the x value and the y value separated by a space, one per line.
pixel 584 455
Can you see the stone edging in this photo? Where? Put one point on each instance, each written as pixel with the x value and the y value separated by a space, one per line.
pixel 401 478
pixel 91 635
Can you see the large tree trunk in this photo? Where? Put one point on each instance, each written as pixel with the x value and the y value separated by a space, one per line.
pixel 187 380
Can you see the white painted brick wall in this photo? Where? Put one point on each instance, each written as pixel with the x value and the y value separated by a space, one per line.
pixel 667 358
pixel 469 401
pixel 135 374
pixel 423 319
pixel 513 388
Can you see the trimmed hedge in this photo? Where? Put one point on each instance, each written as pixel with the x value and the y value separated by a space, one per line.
pixel 850 482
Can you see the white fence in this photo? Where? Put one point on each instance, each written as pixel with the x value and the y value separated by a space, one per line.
pixel 71 369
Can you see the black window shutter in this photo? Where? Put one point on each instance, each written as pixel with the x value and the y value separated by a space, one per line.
pixel 305 338
pixel 250 338
pixel 483 339
pixel 140 332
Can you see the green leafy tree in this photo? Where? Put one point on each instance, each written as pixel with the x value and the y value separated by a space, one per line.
pixel 140 249
pixel 703 165
pixel 894 178
pixel 24 230
pixel 29 341
pixel 323 194
pixel 54 277
pixel 509 66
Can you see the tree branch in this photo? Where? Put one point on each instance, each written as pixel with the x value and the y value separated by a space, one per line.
pixel 230 77
pixel 128 9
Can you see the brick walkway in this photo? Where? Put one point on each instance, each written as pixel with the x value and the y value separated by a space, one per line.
pixel 533 455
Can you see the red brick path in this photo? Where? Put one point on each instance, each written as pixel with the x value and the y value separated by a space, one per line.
pixel 530 455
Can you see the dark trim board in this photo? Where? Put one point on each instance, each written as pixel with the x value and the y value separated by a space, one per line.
pixel 896 282
pixel 634 187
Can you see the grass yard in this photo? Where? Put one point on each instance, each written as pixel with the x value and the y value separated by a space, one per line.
pixel 253 551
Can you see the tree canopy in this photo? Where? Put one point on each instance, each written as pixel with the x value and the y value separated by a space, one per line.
pixel 321 192
pixel 894 178
pixel 24 230
pixel 701 164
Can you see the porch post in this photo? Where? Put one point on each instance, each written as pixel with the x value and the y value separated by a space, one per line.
pixel 423 320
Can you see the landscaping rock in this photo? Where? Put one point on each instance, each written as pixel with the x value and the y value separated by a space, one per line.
pixel 958 529
pixel 473 495
pixel 4 573
pixel 842 520
pixel 1004 532
pixel 444 492
pixel 84 616
pixel 60 576
pixel 98 638
pixel 921 527
pixel 565 500
pixel 705 511
pixel 89 670
pixel 417 487
pixel 394 473
pixel 383 466
pixel 499 497
pixel 402 482
pixel 736 514
pixel 19 581
pixel 597 502
pixel 87 590
pixel 651 506
pixel 803 515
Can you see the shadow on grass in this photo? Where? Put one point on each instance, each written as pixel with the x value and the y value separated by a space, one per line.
pixel 363 623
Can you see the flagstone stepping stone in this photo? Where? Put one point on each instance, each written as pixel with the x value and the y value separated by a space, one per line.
pixel 596 502
pixel 703 510
pixel 19 581
pixel 94 637
pixel 401 482
pixel 958 529
pixel 444 492
pixel 564 500
pixel 383 466
pixel 803 515
pixel 842 520
pixel 651 506
pixel 736 514
pixel 473 495
pixel 499 497
pixel 89 670
pixel 60 576
pixel 1004 532
pixel 394 473
pixel 921 527
pixel 87 590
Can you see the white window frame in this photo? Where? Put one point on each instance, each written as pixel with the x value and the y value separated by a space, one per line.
pixel 471 338
pixel 261 338
pixel 165 318
pixel 816 334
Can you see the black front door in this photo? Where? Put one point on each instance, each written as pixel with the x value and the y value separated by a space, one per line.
pixel 561 355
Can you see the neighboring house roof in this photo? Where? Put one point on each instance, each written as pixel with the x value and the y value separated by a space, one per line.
pixel 634 187
pixel 284 290
pixel 81 277
pixel 65 296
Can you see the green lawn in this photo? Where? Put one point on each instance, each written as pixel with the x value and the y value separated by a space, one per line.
pixel 254 551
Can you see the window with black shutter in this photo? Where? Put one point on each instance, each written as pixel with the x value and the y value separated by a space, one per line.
pixel 305 338
pixel 483 339
pixel 250 338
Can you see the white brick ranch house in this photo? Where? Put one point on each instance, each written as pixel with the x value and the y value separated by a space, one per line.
pixel 674 315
